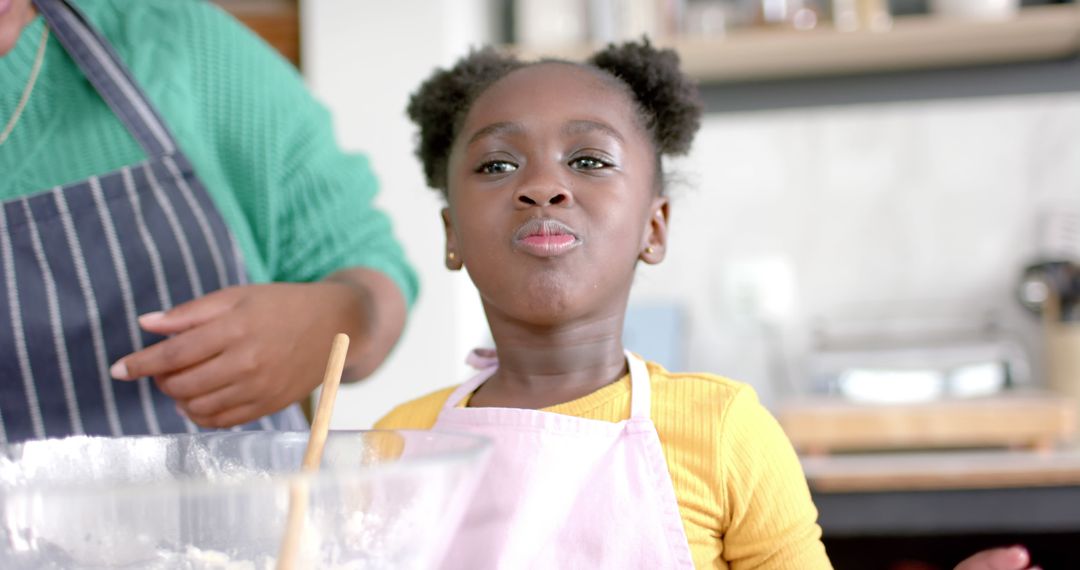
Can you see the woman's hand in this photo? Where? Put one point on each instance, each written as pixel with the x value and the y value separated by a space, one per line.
pixel 241 353
pixel 1012 558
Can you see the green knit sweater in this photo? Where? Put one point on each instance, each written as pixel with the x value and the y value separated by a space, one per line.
pixel 299 207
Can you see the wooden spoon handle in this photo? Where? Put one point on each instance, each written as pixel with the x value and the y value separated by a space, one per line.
pixel 320 424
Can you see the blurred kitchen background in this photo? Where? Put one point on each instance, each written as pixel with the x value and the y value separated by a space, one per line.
pixel 878 228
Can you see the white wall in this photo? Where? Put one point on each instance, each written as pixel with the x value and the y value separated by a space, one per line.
pixel 363 58
pixel 890 210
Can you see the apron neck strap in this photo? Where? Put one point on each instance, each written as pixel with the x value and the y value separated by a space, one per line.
pixel 640 385
pixel 470 385
pixel 107 73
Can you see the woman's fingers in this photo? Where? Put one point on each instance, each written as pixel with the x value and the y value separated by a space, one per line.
pixel 1011 558
pixel 194 382
pixel 191 314
pixel 238 415
pixel 173 354
pixel 226 407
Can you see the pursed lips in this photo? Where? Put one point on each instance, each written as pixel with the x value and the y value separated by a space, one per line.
pixel 545 237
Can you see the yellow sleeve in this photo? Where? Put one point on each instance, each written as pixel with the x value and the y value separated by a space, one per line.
pixel 417 414
pixel 770 520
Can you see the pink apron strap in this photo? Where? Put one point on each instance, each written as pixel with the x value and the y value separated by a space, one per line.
pixel 486 363
pixel 640 387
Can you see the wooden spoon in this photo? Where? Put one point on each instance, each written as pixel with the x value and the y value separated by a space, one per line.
pixel 320 425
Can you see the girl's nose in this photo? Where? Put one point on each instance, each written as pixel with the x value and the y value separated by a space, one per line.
pixel 543 191
pixel 541 197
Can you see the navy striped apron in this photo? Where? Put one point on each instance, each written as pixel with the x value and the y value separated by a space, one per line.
pixel 79 263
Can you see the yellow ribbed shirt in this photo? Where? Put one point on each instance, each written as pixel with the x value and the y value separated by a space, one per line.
pixel 741 491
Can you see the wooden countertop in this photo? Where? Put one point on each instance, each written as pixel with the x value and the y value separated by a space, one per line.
pixel 942 470
pixel 1006 420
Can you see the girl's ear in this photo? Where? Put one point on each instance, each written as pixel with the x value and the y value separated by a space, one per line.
pixel 453 257
pixel 654 244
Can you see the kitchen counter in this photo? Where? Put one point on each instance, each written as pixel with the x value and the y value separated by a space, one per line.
pixel 943 470
pixel 1012 419
pixel 954 492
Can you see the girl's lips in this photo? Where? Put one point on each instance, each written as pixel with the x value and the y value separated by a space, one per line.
pixel 4 6
pixel 545 237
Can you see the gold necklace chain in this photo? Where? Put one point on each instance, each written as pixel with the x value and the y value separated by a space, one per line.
pixel 29 86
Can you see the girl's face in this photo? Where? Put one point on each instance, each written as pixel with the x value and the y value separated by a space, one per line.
pixel 552 197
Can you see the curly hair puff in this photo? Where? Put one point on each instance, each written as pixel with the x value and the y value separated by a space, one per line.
pixel 668 100
pixel 668 103
pixel 440 104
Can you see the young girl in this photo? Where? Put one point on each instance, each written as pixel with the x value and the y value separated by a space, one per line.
pixel 554 188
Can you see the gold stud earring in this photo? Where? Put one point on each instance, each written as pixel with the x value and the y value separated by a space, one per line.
pixel 649 249
pixel 451 256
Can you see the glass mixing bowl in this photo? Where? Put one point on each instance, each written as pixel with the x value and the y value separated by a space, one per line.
pixel 381 499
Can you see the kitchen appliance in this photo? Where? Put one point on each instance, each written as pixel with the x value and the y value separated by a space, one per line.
pixel 922 383
pixel 1052 291
pixel 916 358
pixel 381 499
pixel 1051 286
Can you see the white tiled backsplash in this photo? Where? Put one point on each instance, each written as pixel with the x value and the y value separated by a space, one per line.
pixel 785 218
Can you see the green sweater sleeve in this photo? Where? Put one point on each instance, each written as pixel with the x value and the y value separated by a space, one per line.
pixel 309 206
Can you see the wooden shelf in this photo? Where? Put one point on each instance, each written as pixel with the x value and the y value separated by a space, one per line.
pixel 914 43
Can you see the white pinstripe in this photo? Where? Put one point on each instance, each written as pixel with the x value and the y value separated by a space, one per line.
pixel 53 302
pixel 188 424
pixel 130 312
pixel 241 269
pixel 185 251
pixel 200 218
pixel 157 268
pixel 97 335
pixel 21 350
pixel 178 233
pixel 298 416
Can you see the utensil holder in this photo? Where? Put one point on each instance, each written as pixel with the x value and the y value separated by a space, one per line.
pixel 1063 361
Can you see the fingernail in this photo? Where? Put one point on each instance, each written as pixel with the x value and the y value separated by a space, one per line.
pixel 119 370
pixel 1021 553
pixel 151 318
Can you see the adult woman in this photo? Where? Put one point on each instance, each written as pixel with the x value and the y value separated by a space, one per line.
pixel 221 172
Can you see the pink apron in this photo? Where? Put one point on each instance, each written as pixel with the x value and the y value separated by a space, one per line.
pixel 566 492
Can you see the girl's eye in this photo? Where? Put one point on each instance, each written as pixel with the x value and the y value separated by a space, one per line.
pixel 589 163
pixel 496 167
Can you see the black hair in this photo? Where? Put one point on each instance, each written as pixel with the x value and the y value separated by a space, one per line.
pixel 667 100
